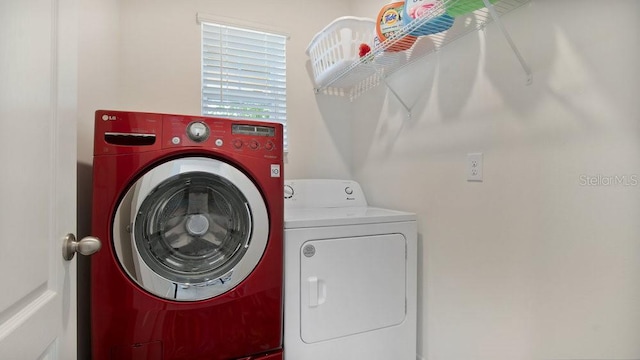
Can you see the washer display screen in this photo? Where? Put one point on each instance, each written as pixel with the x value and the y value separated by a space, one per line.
pixel 253 130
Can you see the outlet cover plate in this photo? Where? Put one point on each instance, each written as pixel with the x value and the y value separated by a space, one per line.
pixel 474 167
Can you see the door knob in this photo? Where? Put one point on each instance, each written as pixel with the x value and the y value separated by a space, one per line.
pixel 87 246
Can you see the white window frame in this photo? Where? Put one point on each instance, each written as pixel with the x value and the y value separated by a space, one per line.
pixel 243 72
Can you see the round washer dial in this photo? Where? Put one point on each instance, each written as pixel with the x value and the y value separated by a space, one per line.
pixel 198 131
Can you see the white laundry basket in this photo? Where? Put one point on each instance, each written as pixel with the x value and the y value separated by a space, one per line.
pixel 336 47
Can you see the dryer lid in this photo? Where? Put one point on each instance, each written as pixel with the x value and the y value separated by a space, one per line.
pixel 319 217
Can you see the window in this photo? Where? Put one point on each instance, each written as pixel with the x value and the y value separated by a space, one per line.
pixel 244 74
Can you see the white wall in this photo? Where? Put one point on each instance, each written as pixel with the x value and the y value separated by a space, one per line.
pixel 530 263
pixel 98 67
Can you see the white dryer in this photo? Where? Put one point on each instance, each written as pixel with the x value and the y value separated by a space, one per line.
pixel 350 275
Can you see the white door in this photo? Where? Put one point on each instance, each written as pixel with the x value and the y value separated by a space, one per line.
pixel 38 55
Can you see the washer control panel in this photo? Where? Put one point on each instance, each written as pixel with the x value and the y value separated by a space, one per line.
pixel 249 138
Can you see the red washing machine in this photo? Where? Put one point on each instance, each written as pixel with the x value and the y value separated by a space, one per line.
pixel 190 210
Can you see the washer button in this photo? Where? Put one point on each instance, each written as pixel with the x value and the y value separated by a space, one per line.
pixel 348 190
pixel 237 143
pixel 219 142
pixel 175 140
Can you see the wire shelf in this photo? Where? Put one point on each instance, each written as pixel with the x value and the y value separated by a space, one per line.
pixel 368 71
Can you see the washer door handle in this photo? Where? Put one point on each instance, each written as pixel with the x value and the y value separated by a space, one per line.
pixel 87 246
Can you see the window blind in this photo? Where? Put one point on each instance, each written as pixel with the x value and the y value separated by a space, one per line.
pixel 244 74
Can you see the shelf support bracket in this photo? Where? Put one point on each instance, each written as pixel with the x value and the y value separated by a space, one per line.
pixel 496 18
pixel 395 94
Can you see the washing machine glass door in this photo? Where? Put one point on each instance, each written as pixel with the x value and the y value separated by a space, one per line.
pixel 191 229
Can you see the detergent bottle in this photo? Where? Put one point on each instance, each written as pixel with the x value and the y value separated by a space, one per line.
pixel 389 25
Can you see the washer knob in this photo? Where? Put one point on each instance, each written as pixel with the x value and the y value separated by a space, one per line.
pixel 348 190
pixel 198 131
pixel 254 145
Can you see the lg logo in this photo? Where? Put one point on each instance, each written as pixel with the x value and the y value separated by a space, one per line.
pixel 106 117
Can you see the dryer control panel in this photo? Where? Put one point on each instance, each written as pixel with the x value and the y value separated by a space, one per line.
pixel 323 193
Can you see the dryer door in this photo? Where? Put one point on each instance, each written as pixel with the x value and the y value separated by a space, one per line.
pixel 191 229
pixel 352 285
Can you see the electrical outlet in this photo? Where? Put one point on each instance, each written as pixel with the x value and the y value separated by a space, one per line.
pixel 474 167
